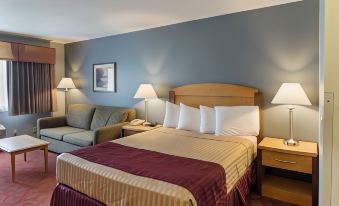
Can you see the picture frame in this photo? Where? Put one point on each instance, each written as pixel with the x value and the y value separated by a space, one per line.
pixel 104 77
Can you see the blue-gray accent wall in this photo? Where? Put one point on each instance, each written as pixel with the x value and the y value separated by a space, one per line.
pixel 260 48
pixel 24 123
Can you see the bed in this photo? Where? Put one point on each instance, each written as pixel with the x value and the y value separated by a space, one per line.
pixel 166 166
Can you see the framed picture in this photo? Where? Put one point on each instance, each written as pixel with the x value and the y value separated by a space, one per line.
pixel 104 79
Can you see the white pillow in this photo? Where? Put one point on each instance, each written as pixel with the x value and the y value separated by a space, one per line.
pixel 189 118
pixel 237 121
pixel 207 120
pixel 171 115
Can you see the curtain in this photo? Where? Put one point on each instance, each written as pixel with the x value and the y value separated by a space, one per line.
pixel 31 88
pixel 3 87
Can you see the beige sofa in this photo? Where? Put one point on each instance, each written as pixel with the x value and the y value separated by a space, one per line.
pixel 84 125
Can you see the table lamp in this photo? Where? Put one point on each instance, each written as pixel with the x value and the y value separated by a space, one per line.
pixel 66 84
pixel 291 94
pixel 146 91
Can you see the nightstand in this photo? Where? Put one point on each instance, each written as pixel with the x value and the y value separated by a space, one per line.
pixel 288 173
pixel 128 130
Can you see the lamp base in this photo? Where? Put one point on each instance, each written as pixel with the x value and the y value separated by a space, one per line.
pixel 291 142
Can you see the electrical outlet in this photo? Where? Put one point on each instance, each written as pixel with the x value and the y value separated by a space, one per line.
pixel 15 132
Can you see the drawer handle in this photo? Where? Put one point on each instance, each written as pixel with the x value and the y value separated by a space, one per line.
pixel 285 161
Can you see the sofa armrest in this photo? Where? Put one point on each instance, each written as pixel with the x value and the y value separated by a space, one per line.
pixel 108 133
pixel 50 122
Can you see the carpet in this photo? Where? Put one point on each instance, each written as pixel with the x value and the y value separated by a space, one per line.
pixel 34 188
pixel 32 185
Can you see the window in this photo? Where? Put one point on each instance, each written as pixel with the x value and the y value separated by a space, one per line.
pixel 31 88
pixel 3 87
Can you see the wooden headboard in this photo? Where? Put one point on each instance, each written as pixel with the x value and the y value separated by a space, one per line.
pixel 217 94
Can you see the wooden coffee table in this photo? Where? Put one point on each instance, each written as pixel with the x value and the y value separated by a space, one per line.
pixel 22 144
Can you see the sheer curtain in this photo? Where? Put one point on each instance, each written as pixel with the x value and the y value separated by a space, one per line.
pixel 3 87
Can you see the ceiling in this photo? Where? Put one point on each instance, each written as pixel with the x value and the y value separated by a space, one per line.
pixel 67 21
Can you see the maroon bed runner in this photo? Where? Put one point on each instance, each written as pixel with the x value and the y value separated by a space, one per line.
pixel 205 180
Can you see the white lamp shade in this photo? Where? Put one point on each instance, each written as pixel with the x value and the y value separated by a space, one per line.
pixel 291 94
pixel 66 83
pixel 145 91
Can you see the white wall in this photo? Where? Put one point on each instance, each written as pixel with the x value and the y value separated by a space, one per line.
pixel 59 73
pixel 331 72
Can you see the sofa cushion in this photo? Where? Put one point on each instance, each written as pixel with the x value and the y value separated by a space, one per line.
pixel 100 118
pixel 82 139
pixel 117 117
pixel 80 115
pixel 58 132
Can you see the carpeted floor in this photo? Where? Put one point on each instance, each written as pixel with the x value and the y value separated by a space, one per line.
pixel 34 188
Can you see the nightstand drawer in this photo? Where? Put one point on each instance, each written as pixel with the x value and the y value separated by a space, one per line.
pixel 287 161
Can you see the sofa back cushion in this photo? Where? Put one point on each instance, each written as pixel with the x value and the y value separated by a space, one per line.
pixel 108 115
pixel 100 117
pixel 121 115
pixel 117 117
pixel 131 114
pixel 80 115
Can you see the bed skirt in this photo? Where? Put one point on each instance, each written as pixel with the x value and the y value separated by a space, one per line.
pixel 66 196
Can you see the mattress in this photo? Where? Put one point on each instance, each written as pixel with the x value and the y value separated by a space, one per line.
pixel 114 187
